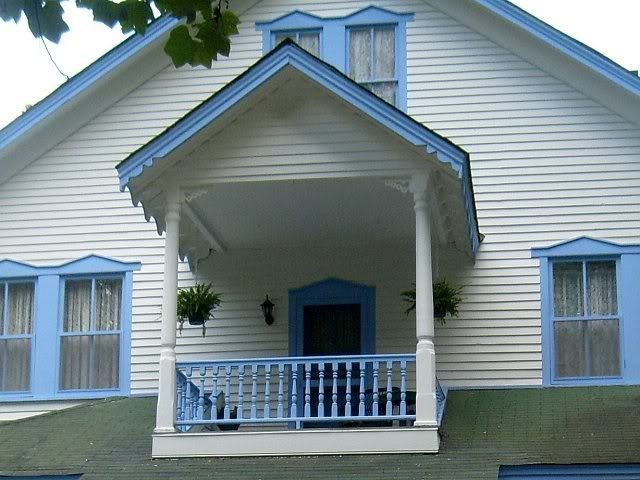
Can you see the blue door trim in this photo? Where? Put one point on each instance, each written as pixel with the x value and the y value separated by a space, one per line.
pixel 332 291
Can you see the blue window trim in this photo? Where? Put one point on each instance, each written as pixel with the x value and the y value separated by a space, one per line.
pixel 334 37
pixel 332 291
pixel 569 472
pixel 49 282
pixel 92 332
pixel 627 259
pixel 3 336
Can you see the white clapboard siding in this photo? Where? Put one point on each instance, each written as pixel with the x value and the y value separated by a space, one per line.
pixel 548 163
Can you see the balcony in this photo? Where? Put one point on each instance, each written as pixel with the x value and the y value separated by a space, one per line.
pixel 297 405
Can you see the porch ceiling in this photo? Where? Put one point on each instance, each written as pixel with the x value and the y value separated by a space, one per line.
pixel 306 213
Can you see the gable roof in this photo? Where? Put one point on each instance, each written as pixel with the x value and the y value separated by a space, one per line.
pixel 482 430
pixel 15 136
pixel 77 88
pixel 289 54
pixel 577 50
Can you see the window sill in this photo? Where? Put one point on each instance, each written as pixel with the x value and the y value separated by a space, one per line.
pixel 62 396
pixel 588 382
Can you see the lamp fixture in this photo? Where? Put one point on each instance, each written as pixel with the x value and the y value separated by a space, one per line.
pixel 267 310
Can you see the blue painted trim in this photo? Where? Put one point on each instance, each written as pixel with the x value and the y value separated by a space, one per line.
pixel 4 293
pixel 333 291
pixel 299 19
pixel 84 80
pixel 627 258
pixel 334 37
pixel 567 472
pixel 44 477
pixel 49 281
pixel 86 265
pixel 561 41
pixel 584 246
pixel 288 54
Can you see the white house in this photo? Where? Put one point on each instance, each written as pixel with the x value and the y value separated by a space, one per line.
pixel 343 152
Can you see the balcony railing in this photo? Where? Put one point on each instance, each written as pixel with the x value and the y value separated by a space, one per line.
pixel 344 391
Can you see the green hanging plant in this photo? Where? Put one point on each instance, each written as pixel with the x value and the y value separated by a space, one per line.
pixel 196 305
pixel 446 299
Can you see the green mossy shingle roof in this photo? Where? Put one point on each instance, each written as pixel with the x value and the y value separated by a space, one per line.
pixel 483 429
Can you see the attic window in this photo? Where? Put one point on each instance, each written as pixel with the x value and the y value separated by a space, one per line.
pixel 307 39
pixel 369 46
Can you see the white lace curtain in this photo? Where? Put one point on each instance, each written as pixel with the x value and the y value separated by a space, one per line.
pixel 90 354
pixel 310 41
pixel 586 347
pixel 372 60
pixel 15 353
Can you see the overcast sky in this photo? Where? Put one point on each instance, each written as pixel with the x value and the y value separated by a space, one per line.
pixel 27 74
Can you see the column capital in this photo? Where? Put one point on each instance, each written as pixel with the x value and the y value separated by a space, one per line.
pixel 419 183
pixel 174 198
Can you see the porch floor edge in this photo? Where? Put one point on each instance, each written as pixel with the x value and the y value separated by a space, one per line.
pixel 296 443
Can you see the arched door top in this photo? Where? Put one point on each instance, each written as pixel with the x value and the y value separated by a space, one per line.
pixel 337 292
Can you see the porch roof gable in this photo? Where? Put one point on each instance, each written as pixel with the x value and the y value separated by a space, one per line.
pixel 290 55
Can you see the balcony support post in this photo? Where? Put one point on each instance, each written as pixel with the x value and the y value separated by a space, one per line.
pixel 166 410
pixel 425 351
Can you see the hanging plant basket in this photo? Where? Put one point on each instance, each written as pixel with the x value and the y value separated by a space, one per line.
pixel 446 299
pixel 439 313
pixel 197 320
pixel 196 305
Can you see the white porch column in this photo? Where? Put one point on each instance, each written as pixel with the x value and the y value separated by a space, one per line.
pixel 425 352
pixel 166 411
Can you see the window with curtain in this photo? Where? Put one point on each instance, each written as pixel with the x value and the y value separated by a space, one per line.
pixel 586 323
pixel 372 60
pixel 90 336
pixel 16 331
pixel 307 39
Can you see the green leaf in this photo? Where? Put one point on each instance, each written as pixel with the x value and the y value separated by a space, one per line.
pixel 11 9
pixel 180 46
pixel 104 11
pixel 229 22
pixel 51 21
pixel 135 15
pixel 209 24
pixel 45 20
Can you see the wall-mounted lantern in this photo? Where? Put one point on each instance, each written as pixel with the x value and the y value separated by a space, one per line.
pixel 267 310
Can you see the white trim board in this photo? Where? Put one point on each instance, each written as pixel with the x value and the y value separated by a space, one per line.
pixel 297 442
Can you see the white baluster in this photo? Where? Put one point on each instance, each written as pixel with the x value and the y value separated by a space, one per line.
pixel 334 399
pixel 307 389
pixel 227 392
pixel 376 395
pixel 254 391
pixel 347 406
pixel 361 410
pixel 240 392
pixel 321 390
pixel 280 410
pixel 389 388
pixel 267 390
